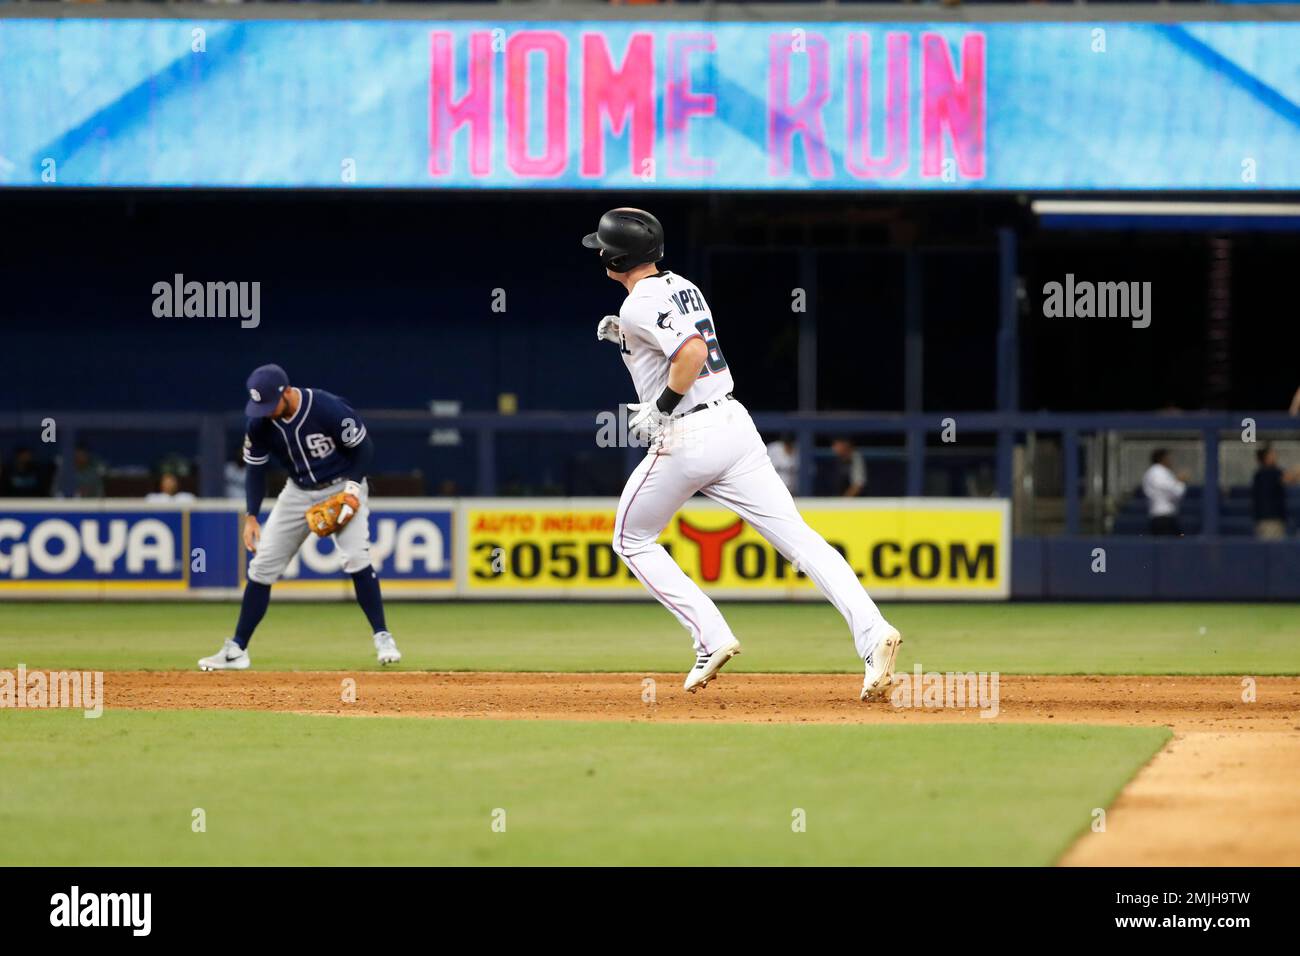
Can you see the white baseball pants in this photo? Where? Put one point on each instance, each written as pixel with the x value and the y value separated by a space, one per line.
pixel 718 451
pixel 286 529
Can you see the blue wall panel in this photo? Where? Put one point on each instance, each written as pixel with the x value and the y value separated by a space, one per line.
pixel 1143 568
pixel 1129 573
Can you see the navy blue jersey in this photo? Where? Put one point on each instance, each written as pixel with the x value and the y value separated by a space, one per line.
pixel 315 446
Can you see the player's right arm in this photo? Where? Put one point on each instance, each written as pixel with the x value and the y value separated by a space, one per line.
pixel 685 365
pixel 257 455
pixel 657 322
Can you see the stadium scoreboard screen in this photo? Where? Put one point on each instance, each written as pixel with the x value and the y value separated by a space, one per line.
pixel 650 105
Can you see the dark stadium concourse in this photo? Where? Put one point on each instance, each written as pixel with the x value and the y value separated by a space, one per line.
pixel 394 297
pixel 402 299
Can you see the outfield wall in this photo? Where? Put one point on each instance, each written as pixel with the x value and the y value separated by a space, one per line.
pixel 559 548
pixel 904 549
pixel 1195 568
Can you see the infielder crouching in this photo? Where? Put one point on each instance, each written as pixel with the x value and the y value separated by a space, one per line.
pixel 702 440
pixel 323 444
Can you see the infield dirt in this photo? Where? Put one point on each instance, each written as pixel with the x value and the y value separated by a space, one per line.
pixel 1221 793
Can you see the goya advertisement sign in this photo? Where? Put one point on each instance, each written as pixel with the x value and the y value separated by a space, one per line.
pixel 140 549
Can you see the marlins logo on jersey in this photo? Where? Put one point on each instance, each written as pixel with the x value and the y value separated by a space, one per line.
pixel 662 314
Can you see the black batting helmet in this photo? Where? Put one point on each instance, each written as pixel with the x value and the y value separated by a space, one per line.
pixel 626 239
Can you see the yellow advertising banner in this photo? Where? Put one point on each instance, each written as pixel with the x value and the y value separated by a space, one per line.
pixel 924 548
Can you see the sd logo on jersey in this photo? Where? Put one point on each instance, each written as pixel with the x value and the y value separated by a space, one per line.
pixel 320 446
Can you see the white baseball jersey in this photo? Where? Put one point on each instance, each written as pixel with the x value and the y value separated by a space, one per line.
pixel 717 452
pixel 663 313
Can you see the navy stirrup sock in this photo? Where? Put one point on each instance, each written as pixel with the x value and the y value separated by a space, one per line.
pixel 366 584
pixel 251 611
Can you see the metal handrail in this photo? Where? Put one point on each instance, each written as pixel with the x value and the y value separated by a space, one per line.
pixel 915 428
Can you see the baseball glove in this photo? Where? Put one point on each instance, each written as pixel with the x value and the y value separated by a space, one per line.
pixel 328 516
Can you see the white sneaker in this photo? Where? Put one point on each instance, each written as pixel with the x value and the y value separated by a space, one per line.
pixel 707 665
pixel 386 648
pixel 231 657
pixel 880 666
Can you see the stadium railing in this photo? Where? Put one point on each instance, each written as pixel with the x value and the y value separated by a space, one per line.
pixel 1211 434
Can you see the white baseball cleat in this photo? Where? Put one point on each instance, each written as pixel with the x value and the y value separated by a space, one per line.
pixel 707 665
pixel 880 666
pixel 231 657
pixel 386 648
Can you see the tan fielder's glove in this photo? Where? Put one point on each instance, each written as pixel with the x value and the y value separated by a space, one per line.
pixel 328 516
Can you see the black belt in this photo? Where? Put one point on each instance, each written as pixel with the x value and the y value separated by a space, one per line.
pixel 322 484
pixel 703 405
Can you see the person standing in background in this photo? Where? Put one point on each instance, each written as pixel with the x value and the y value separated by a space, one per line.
pixel 26 477
pixel 850 476
pixel 233 474
pixel 169 491
pixel 1268 495
pixel 1164 492
pixel 90 473
pixel 785 459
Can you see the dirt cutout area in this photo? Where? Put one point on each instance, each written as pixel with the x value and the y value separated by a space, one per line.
pixel 1222 793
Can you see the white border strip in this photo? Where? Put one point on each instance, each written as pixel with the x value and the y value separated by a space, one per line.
pixel 1120 207
pixel 569 11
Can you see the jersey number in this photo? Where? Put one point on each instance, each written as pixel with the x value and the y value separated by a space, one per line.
pixel 715 362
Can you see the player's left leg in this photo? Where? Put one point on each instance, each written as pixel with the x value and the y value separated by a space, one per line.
pixel 754 490
pixel 353 543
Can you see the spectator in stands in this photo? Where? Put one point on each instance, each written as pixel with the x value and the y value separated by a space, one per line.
pixel 1268 495
pixel 26 477
pixel 174 463
pixel 90 473
pixel 169 490
pixel 233 474
pixel 785 459
pixel 850 477
pixel 1164 492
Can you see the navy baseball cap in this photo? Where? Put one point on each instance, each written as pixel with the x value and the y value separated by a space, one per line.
pixel 264 388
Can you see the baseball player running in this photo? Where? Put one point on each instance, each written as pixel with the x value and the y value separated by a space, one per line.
pixel 323 444
pixel 701 439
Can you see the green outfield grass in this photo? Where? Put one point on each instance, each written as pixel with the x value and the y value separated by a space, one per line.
pixel 296 789
pixel 1011 638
